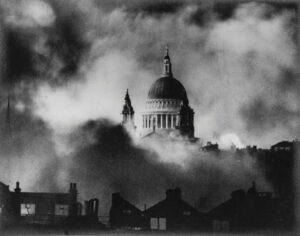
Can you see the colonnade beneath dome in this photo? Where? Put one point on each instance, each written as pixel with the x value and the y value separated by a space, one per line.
pixel 161 121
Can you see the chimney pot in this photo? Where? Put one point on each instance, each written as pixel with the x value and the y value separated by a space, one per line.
pixel 17 189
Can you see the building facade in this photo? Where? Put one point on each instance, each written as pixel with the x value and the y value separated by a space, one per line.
pixel 124 215
pixel 251 210
pixel 19 207
pixel 173 213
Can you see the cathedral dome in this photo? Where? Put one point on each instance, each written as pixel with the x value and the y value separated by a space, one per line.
pixel 167 88
pixel 167 109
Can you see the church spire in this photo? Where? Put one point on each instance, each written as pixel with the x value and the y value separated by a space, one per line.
pixel 167 67
pixel 128 112
pixel 127 98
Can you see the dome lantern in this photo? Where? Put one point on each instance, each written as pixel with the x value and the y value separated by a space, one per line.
pixel 167 67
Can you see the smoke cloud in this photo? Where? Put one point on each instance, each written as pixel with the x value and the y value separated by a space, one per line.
pixel 67 65
pixel 105 156
pixel 254 48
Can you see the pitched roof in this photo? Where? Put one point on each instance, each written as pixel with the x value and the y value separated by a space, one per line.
pixel 121 202
pixel 167 206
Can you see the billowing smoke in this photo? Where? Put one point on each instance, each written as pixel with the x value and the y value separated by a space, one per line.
pixel 66 67
pixel 253 47
pixel 106 158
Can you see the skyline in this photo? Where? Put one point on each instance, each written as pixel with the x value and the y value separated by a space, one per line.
pixel 246 48
pixel 213 54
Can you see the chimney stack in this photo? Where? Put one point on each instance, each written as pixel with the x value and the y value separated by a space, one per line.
pixel 73 188
pixel 17 189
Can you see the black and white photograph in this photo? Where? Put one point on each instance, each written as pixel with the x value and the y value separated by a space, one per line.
pixel 145 117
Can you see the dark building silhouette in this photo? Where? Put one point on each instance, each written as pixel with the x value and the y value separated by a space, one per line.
pixel 19 208
pixel 285 146
pixel 244 211
pixel 37 208
pixel 91 209
pixel 251 210
pixel 90 220
pixel 6 206
pixel 124 214
pixel 278 164
pixel 173 213
pixel 210 147
pixel 170 214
